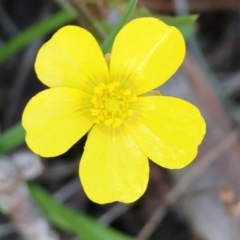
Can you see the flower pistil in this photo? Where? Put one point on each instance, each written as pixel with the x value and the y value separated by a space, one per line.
pixel 112 103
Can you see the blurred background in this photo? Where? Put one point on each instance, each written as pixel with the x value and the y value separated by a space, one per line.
pixel 43 198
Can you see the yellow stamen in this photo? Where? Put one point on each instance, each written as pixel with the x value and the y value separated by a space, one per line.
pixel 99 89
pixel 127 92
pixel 111 104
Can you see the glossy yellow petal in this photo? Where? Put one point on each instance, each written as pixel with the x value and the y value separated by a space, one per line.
pixel 71 58
pixel 113 168
pixel 55 119
pixel 170 131
pixel 146 53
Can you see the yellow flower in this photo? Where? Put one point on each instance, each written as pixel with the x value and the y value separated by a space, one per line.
pixel 88 93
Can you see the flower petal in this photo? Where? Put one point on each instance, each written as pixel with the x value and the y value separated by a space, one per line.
pixel 113 168
pixel 170 132
pixel 55 119
pixel 71 58
pixel 146 53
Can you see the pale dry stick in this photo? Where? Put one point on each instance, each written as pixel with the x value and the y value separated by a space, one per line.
pixel 230 140
pixel 7 24
pixel 76 238
pixel 60 171
pixel 207 89
pixel 203 6
pixel 67 191
pixel 85 15
pixel 232 84
pixel 79 8
pixel 65 5
pixel 15 198
pixel 20 81
pixel 22 73
pixel 6 229
pixel 181 7
pixel 113 213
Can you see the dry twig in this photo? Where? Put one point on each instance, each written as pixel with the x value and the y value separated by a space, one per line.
pixel 229 141
pixel 86 16
pixel 16 201
pixel 197 6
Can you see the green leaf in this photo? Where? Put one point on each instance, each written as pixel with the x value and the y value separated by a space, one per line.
pixel 70 220
pixel 107 44
pixel 11 138
pixel 36 30
pixel 186 24
pixel 14 136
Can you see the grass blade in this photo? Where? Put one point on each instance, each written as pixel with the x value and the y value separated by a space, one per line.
pixel 36 30
pixel 11 138
pixel 72 221
pixel 107 44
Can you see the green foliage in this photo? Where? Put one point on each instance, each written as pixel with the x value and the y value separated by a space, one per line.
pixel 72 221
pixel 11 138
pixel 184 23
pixel 36 30
pixel 107 44
pixel 59 215
pixel 14 136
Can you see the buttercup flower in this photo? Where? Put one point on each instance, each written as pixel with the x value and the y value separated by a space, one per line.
pixel 107 98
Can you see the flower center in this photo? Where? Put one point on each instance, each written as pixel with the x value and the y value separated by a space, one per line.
pixel 111 104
